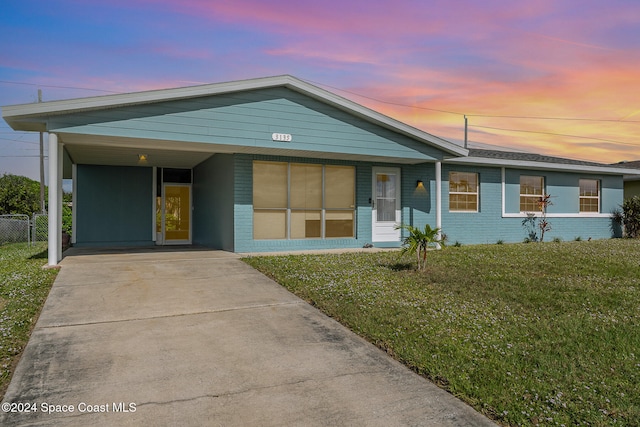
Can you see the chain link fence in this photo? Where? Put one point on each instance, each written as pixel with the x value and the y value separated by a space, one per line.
pixel 40 228
pixel 20 229
pixel 15 229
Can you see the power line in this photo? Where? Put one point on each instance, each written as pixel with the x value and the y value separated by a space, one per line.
pixel 554 118
pixel 385 102
pixel 17 140
pixel 475 115
pixel 35 155
pixel 557 134
pixel 57 87
pixel 398 104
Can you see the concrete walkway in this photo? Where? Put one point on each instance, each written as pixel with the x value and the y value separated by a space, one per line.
pixel 196 337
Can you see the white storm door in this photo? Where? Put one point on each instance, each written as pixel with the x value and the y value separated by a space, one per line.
pixel 386 204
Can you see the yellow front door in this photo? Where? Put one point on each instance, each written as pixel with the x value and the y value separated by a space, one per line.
pixel 177 214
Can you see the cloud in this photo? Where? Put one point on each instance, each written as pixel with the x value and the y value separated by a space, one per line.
pixel 496 57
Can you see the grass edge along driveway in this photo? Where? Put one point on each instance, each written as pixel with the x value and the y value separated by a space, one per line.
pixel 24 286
pixel 529 334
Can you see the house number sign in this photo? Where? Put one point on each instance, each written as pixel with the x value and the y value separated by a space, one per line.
pixel 282 137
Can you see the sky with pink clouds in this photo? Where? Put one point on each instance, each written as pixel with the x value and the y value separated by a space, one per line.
pixel 556 77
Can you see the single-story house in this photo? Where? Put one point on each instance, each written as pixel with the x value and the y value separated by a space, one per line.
pixel 280 164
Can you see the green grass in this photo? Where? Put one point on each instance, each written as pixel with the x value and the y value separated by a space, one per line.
pixel 24 286
pixel 529 334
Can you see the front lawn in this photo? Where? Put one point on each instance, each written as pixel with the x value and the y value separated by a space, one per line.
pixel 24 286
pixel 529 334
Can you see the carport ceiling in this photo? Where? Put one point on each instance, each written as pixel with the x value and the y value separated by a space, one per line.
pixel 126 152
pixel 120 151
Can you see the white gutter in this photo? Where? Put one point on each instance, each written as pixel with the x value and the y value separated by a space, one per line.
pixel 525 164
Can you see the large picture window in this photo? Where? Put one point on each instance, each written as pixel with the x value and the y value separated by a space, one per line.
pixel 463 192
pixel 302 201
pixel 531 191
pixel 589 195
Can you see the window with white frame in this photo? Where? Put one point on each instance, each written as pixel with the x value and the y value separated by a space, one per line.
pixel 589 195
pixel 302 201
pixel 463 192
pixel 531 192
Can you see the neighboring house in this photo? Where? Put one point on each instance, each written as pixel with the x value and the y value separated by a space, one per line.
pixel 631 182
pixel 279 164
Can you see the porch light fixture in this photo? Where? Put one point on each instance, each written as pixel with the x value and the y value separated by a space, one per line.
pixel 142 157
pixel 419 185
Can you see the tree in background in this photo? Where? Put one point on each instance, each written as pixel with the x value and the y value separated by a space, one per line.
pixel 19 195
pixel 67 205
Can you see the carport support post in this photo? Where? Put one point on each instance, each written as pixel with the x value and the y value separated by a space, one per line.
pixel 55 201
pixel 439 200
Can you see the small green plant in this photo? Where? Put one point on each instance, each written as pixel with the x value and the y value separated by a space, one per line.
pixel 578 239
pixel 557 240
pixel 532 224
pixel 457 244
pixel 500 242
pixel 418 241
pixel 529 224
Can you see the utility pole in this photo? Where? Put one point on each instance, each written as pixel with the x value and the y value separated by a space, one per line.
pixel 465 131
pixel 42 209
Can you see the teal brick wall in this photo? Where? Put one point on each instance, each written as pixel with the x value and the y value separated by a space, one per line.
pixel 484 225
pixel 564 190
pixel 418 206
pixel 488 225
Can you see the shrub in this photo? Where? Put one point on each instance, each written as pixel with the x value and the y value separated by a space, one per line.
pixel 630 216
pixel 418 241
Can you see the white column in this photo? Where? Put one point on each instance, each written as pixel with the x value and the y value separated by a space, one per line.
pixel 439 199
pixel 54 200
pixel 74 199
pixel 59 185
pixel 503 190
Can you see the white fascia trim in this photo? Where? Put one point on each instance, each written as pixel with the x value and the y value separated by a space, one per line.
pixel 521 164
pixel 557 215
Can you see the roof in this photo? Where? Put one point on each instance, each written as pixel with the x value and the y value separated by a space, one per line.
pixel 33 117
pixel 634 164
pixel 538 161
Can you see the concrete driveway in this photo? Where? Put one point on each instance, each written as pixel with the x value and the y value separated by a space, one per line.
pixel 197 337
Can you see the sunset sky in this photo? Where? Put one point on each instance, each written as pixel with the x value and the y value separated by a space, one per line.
pixel 557 77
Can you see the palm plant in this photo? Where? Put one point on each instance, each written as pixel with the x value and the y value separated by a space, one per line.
pixel 417 242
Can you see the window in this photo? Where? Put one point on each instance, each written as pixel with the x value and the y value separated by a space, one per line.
pixel 302 201
pixel 463 191
pixel 589 195
pixel 531 191
pixel 270 200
